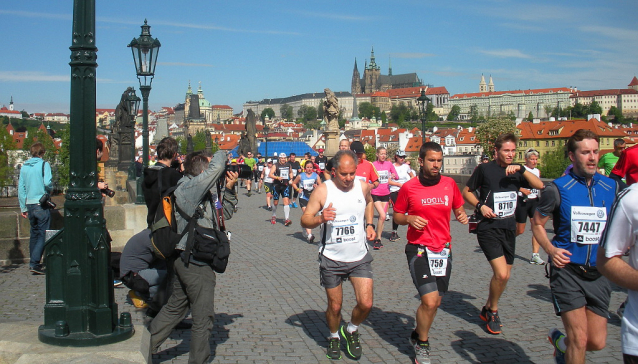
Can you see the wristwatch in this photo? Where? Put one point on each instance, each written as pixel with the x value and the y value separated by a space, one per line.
pixel 374 227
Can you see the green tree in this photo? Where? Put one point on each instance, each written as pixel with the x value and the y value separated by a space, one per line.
pixel 430 115
pixel 384 118
pixel 474 115
pixel 490 130
pixel 267 112
pixel 548 109
pixel 39 136
pixel 579 111
pixel 25 114
pixel 367 110
pixel 454 113
pixel 286 112
pixel 6 144
pixel 181 142
pixel 307 113
pixel 554 162
pixel 199 141
pixel 399 113
pixel 64 158
pixel 371 153
pixel 530 117
pixel 617 114
pixel 594 108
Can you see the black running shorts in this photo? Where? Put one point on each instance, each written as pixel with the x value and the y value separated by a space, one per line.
pixel 525 209
pixel 497 243
pixel 422 278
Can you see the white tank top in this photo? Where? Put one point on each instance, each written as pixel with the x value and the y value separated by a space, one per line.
pixel 266 174
pixel 535 192
pixel 345 236
pixel 404 175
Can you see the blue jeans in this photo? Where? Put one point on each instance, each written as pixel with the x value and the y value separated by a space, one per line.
pixel 40 220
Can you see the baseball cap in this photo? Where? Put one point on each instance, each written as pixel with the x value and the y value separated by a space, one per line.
pixel 233 160
pixel 400 153
pixel 320 150
pixel 269 160
pixel 357 147
pixel 282 155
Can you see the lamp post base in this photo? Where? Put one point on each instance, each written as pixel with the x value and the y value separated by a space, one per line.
pixel 60 336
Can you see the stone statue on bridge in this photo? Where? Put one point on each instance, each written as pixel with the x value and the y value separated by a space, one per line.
pixel 331 109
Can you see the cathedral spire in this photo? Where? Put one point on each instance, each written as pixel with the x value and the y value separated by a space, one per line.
pixel 482 84
pixel 490 86
pixel 355 86
pixel 373 64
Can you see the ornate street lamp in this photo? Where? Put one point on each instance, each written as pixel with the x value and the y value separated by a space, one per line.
pixel 80 308
pixel 145 50
pixel 423 107
pixel 133 102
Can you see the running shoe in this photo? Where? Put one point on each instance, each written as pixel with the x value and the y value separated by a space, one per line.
pixel 387 217
pixel 294 205
pixel 394 236
pixel 334 352
pixel 421 349
pixel 138 302
pixel 117 283
pixel 353 346
pixel 249 193
pixel 377 245
pixel 536 259
pixel 493 321
pixel 554 337
pixel 273 220
pixel 380 243
pixel 287 222
pixel 311 239
pixel 269 208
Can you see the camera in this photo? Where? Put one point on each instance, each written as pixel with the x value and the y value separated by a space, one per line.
pixel 46 203
pixel 243 170
pixel 108 192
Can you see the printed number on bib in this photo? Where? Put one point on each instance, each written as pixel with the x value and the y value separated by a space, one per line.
pixel 587 224
pixel 283 173
pixel 438 262
pixel 322 166
pixel 504 203
pixel 383 177
pixel 308 184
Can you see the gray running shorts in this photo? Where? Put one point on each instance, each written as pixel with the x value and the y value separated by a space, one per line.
pixel 333 273
pixel 569 292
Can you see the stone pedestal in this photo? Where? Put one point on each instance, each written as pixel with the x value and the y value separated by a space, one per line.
pixel 332 142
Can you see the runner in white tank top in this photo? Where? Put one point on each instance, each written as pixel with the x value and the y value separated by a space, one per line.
pixel 344 239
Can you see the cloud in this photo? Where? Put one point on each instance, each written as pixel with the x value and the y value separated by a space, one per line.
pixel 412 55
pixel 506 53
pixel 627 35
pixel 181 64
pixel 28 14
pixel 28 76
pixel 334 16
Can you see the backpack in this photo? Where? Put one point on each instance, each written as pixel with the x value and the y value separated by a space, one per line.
pixel 164 236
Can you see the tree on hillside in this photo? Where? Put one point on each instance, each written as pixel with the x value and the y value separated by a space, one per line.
pixel 553 163
pixel 487 133
pixel 307 113
pixel 286 112
pixel 38 135
pixel 617 114
pixel 530 116
pixel 399 112
pixel 430 115
pixel 367 110
pixel 594 108
pixel 371 153
pixel 474 115
pixel 64 158
pixel 454 113
pixel 6 144
pixel 548 110
pixel 267 112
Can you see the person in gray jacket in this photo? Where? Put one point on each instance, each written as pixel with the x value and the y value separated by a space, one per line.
pixel 194 287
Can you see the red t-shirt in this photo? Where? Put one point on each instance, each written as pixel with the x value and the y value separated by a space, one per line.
pixel 627 165
pixel 434 203
pixel 366 172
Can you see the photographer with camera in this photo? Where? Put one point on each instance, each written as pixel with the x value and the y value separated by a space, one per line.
pixel 33 194
pixel 201 196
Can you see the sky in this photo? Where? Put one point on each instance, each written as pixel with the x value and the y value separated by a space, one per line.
pixel 251 50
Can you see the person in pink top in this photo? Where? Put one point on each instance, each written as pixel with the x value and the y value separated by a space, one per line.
pixel 381 195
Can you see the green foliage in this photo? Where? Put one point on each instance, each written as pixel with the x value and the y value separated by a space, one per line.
pixel 286 112
pixel 6 141
pixel 199 141
pixel 553 163
pixel 430 115
pixel 595 108
pixel 490 130
pixel 548 109
pixel 367 110
pixel 454 113
pixel 371 153
pixel 181 142
pixel 307 113
pixel 530 117
pixel 64 158
pixel 384 118
pixel 400 114
pixel 474 115
pixel 267 112
pixel 25 114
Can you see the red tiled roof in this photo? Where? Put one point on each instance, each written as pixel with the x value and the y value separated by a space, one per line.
pixel 221 107
pixel 634 82
pixel 526 92
pixel 566 128
pixel 611 92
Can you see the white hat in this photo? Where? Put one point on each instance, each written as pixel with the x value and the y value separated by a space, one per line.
pixel 282 155
pixel 269 160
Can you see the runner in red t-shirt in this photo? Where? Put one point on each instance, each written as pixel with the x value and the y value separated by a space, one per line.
pixel 425 203
pixel 627 166
pixel 365 170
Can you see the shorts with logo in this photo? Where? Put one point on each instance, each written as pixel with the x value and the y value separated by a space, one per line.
pixel 281 190
pixel 570 291
pixel 422 278
pixel 525 209
pixel 268 187
pixel 497 243
pixel 332 272
pixel 384 198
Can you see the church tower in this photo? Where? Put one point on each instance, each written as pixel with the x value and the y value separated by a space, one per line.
pixel 11 104
pixel 490 86
pixel 482 85
pixel 632 85
pixel 371 75
pixel 355 88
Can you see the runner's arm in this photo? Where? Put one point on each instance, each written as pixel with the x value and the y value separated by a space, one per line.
pixel 310 219
pixel 617 270
pixel 295 182
pixel 461 216
pixel 560 257
pixel 371 233
pixel 485 210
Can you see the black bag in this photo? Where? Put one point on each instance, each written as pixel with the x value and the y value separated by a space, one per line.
pixel 45 201
pixel 211 246
pixel 584 272
pixel 164 236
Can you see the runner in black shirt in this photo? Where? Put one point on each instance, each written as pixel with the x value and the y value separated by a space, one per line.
pixel 281 173
pixel 321 160
pixel 496 184
pixel 296 170
pixel 259 167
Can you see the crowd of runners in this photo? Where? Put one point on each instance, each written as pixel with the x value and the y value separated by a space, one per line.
pixel 339 197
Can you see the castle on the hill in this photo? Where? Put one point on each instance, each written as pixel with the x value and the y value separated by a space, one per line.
pixel 373 80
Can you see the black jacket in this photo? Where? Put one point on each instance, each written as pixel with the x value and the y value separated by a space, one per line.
pixel 170 177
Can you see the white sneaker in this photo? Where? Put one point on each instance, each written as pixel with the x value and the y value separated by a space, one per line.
pixel 536 259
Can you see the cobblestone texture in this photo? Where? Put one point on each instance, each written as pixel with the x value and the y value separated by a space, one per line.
pixel 270 307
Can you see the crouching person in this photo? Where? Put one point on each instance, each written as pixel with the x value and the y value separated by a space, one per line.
pixel 197 195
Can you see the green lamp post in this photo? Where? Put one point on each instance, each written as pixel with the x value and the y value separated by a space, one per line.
pixel 145 49
pixel 423 101
pixel 80 308
pixel 133 102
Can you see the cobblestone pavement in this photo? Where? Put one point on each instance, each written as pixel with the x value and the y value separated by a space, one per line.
pixel 270 307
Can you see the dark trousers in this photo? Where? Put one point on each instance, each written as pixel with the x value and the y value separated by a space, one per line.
pixel 40 220
pixel 194 288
